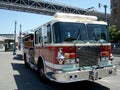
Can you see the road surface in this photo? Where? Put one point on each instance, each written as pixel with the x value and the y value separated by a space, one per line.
pixel 14 76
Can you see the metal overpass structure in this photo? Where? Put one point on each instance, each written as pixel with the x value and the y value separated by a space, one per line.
pixel 43 7
pixel 38 7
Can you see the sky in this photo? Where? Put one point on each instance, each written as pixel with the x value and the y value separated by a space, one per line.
pixel 31 21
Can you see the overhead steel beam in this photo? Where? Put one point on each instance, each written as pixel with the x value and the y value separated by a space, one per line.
pixel 38 7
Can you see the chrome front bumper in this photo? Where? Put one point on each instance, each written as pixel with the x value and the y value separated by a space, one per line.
pixel 73 76
pixel 104 72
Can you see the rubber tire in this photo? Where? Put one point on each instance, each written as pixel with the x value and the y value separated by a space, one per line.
pixel 40 71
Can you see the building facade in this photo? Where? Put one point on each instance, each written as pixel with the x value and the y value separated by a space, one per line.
pixel 7 41
pixel 115 13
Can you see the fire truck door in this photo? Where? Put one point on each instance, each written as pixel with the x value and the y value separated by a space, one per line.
pixel 47 39
pixel 31 53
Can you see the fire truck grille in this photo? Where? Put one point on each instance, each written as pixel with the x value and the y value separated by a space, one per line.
pixel 87 55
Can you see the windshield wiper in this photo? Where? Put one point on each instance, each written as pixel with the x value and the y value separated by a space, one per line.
pixel 78 40
pixel 102 41
pixel 78 35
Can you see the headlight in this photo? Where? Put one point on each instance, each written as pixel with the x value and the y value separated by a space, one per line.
pixel 69 61
pixel 104 58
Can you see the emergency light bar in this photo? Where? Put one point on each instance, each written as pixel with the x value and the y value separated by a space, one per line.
pixel 75 17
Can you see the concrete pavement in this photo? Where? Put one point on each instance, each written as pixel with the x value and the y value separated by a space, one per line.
pixel 7 81
pixel 14 76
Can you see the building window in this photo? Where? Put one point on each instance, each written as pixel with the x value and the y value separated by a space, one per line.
pixel 115 11
pixel 115 20
pixel 114 3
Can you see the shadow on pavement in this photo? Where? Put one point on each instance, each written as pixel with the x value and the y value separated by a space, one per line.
pixel 18 57
pixel 27 79
pixel 82 85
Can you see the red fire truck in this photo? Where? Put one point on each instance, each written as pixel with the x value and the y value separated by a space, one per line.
pixel 70 48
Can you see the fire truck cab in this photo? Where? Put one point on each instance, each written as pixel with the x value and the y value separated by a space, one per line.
pixel 70 48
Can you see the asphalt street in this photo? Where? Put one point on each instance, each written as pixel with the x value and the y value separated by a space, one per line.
pixel 14 76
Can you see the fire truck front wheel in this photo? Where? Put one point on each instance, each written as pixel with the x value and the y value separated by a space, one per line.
pixel 41 72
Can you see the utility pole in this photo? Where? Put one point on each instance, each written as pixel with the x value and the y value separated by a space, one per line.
pixel 20 39
pixel 105 7
pixel 14 48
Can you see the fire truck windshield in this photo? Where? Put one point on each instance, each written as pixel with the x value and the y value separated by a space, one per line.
pixel 97 33
pixel 68 32
pixel 79 32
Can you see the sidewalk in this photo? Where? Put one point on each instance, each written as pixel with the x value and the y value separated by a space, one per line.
pixel 116 55
pixel 6 78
